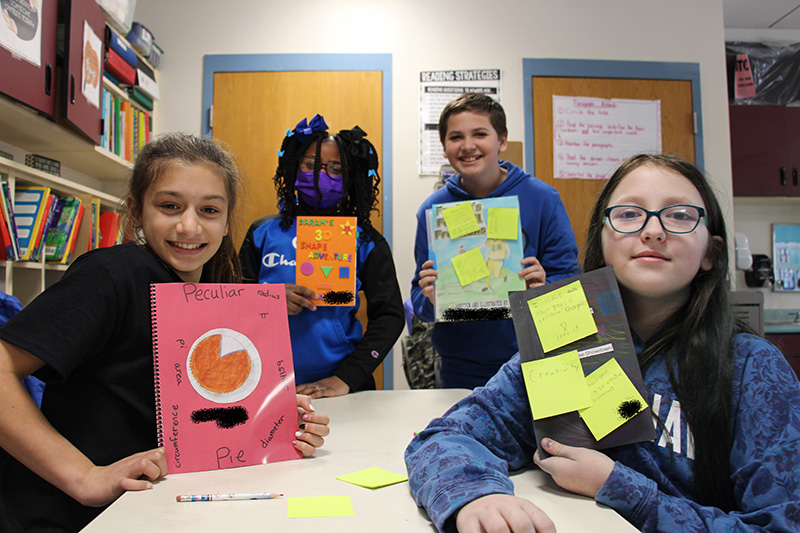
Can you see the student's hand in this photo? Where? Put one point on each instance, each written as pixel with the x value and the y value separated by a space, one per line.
pixel 534 274
pixel 324 388
pixel 427 279
pixel 298 297
pixel 102 485
pixel 579 470
pixel 502 512
pixel 313 427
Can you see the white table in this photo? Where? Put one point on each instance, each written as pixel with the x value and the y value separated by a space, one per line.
pixel 367 429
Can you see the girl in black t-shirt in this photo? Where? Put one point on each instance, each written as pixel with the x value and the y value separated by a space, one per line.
pixel 89 338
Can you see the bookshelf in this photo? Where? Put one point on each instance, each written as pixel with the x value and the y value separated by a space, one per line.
pixel 96 169
pixel 26 279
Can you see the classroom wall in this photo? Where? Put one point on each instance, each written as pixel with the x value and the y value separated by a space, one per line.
pixel 443 34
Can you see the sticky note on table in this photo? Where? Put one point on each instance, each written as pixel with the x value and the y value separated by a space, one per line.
pixel 373 478
pixel 614 399
pixel 470 266
pixel 502 223
pixel 556 385
pixel 562 316
pixel 319 506
pixel 460 220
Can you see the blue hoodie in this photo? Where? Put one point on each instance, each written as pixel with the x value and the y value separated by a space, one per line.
pixel 469 451
pixel 472 352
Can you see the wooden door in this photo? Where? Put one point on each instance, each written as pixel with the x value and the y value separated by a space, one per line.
pixel 253 110
pixel 578 195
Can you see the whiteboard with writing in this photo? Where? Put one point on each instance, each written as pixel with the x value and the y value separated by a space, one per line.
pixel 592 136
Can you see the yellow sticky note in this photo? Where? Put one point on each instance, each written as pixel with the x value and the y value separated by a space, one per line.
pixel 319 506
pixel 470 266
pixel 562 316
pixel 460 220
pixel 502 223
pixel 614 399
pixel 556 385
pixel 373 478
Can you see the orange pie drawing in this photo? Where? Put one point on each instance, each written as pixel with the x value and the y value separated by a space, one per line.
pixel 216 371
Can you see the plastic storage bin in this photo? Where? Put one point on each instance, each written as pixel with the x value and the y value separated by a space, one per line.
pixel 141 39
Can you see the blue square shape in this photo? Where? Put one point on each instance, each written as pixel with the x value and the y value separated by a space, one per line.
pixel 344 272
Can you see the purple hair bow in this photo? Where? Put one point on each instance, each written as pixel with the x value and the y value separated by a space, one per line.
pixel 304 129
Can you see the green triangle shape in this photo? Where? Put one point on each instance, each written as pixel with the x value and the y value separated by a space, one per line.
pixel 326 270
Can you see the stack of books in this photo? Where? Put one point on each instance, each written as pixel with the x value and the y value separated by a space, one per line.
pixel 39 225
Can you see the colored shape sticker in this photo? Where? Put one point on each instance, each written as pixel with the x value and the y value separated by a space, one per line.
pixel 470 266
pixel 307 268
pixel 615 400
pixel 562 316
pixel 502 223
pixel 319 506
pixel 373 478
pixel 556 385
pixel 344 272
pixel 324 286
pixel 460 220
pixel 326 270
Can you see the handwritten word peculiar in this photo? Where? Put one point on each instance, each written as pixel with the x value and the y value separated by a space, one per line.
pixel 200 294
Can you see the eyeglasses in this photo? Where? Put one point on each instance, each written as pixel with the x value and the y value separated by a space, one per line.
pixel 333 169
pixel 674 219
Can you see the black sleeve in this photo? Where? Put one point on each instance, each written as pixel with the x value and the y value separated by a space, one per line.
pixel 385 316
pixel 250 257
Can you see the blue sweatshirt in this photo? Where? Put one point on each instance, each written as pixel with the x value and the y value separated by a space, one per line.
pixel 329 341
pixel 472 352
pixel 468 452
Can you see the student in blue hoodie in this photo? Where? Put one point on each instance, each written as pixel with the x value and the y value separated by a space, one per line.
pixel 473 132
pixel 323 174
pixel 726 456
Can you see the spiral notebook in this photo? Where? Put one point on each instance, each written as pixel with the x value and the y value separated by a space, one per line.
pixel 224 379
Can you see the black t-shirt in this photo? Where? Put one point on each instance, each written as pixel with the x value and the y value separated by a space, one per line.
pixel 92 330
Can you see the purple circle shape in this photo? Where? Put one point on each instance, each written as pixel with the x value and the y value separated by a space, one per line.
pixel 307 268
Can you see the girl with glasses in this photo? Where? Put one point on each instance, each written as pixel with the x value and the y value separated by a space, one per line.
pixel 727 452
pixel 323 174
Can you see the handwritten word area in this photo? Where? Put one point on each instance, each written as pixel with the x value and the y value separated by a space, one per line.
pixel 192 292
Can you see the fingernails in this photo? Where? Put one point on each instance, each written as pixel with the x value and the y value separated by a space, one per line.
pixel 307 418
pixel 302 426
pixel 547 443
pixel 294 443
pixel 311 407
pixel 148 486
pixel 298 434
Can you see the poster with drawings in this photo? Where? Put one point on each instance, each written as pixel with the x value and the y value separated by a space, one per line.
pixel 592 136
pixel 20 31
pixel 786 257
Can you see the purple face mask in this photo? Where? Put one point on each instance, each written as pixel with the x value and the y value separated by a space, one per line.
pixel 330 192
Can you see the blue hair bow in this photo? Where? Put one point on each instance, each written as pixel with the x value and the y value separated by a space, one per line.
pixel 304 129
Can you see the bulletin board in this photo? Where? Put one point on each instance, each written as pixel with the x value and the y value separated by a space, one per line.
pixel 786 257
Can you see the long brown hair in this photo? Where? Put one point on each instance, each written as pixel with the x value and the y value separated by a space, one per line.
pixel 696 339
pixel 172 149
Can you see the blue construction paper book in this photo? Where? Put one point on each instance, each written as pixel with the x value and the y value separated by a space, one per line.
pixel 486 298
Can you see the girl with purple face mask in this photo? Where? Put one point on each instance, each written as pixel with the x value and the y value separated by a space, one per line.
pixel 323 174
